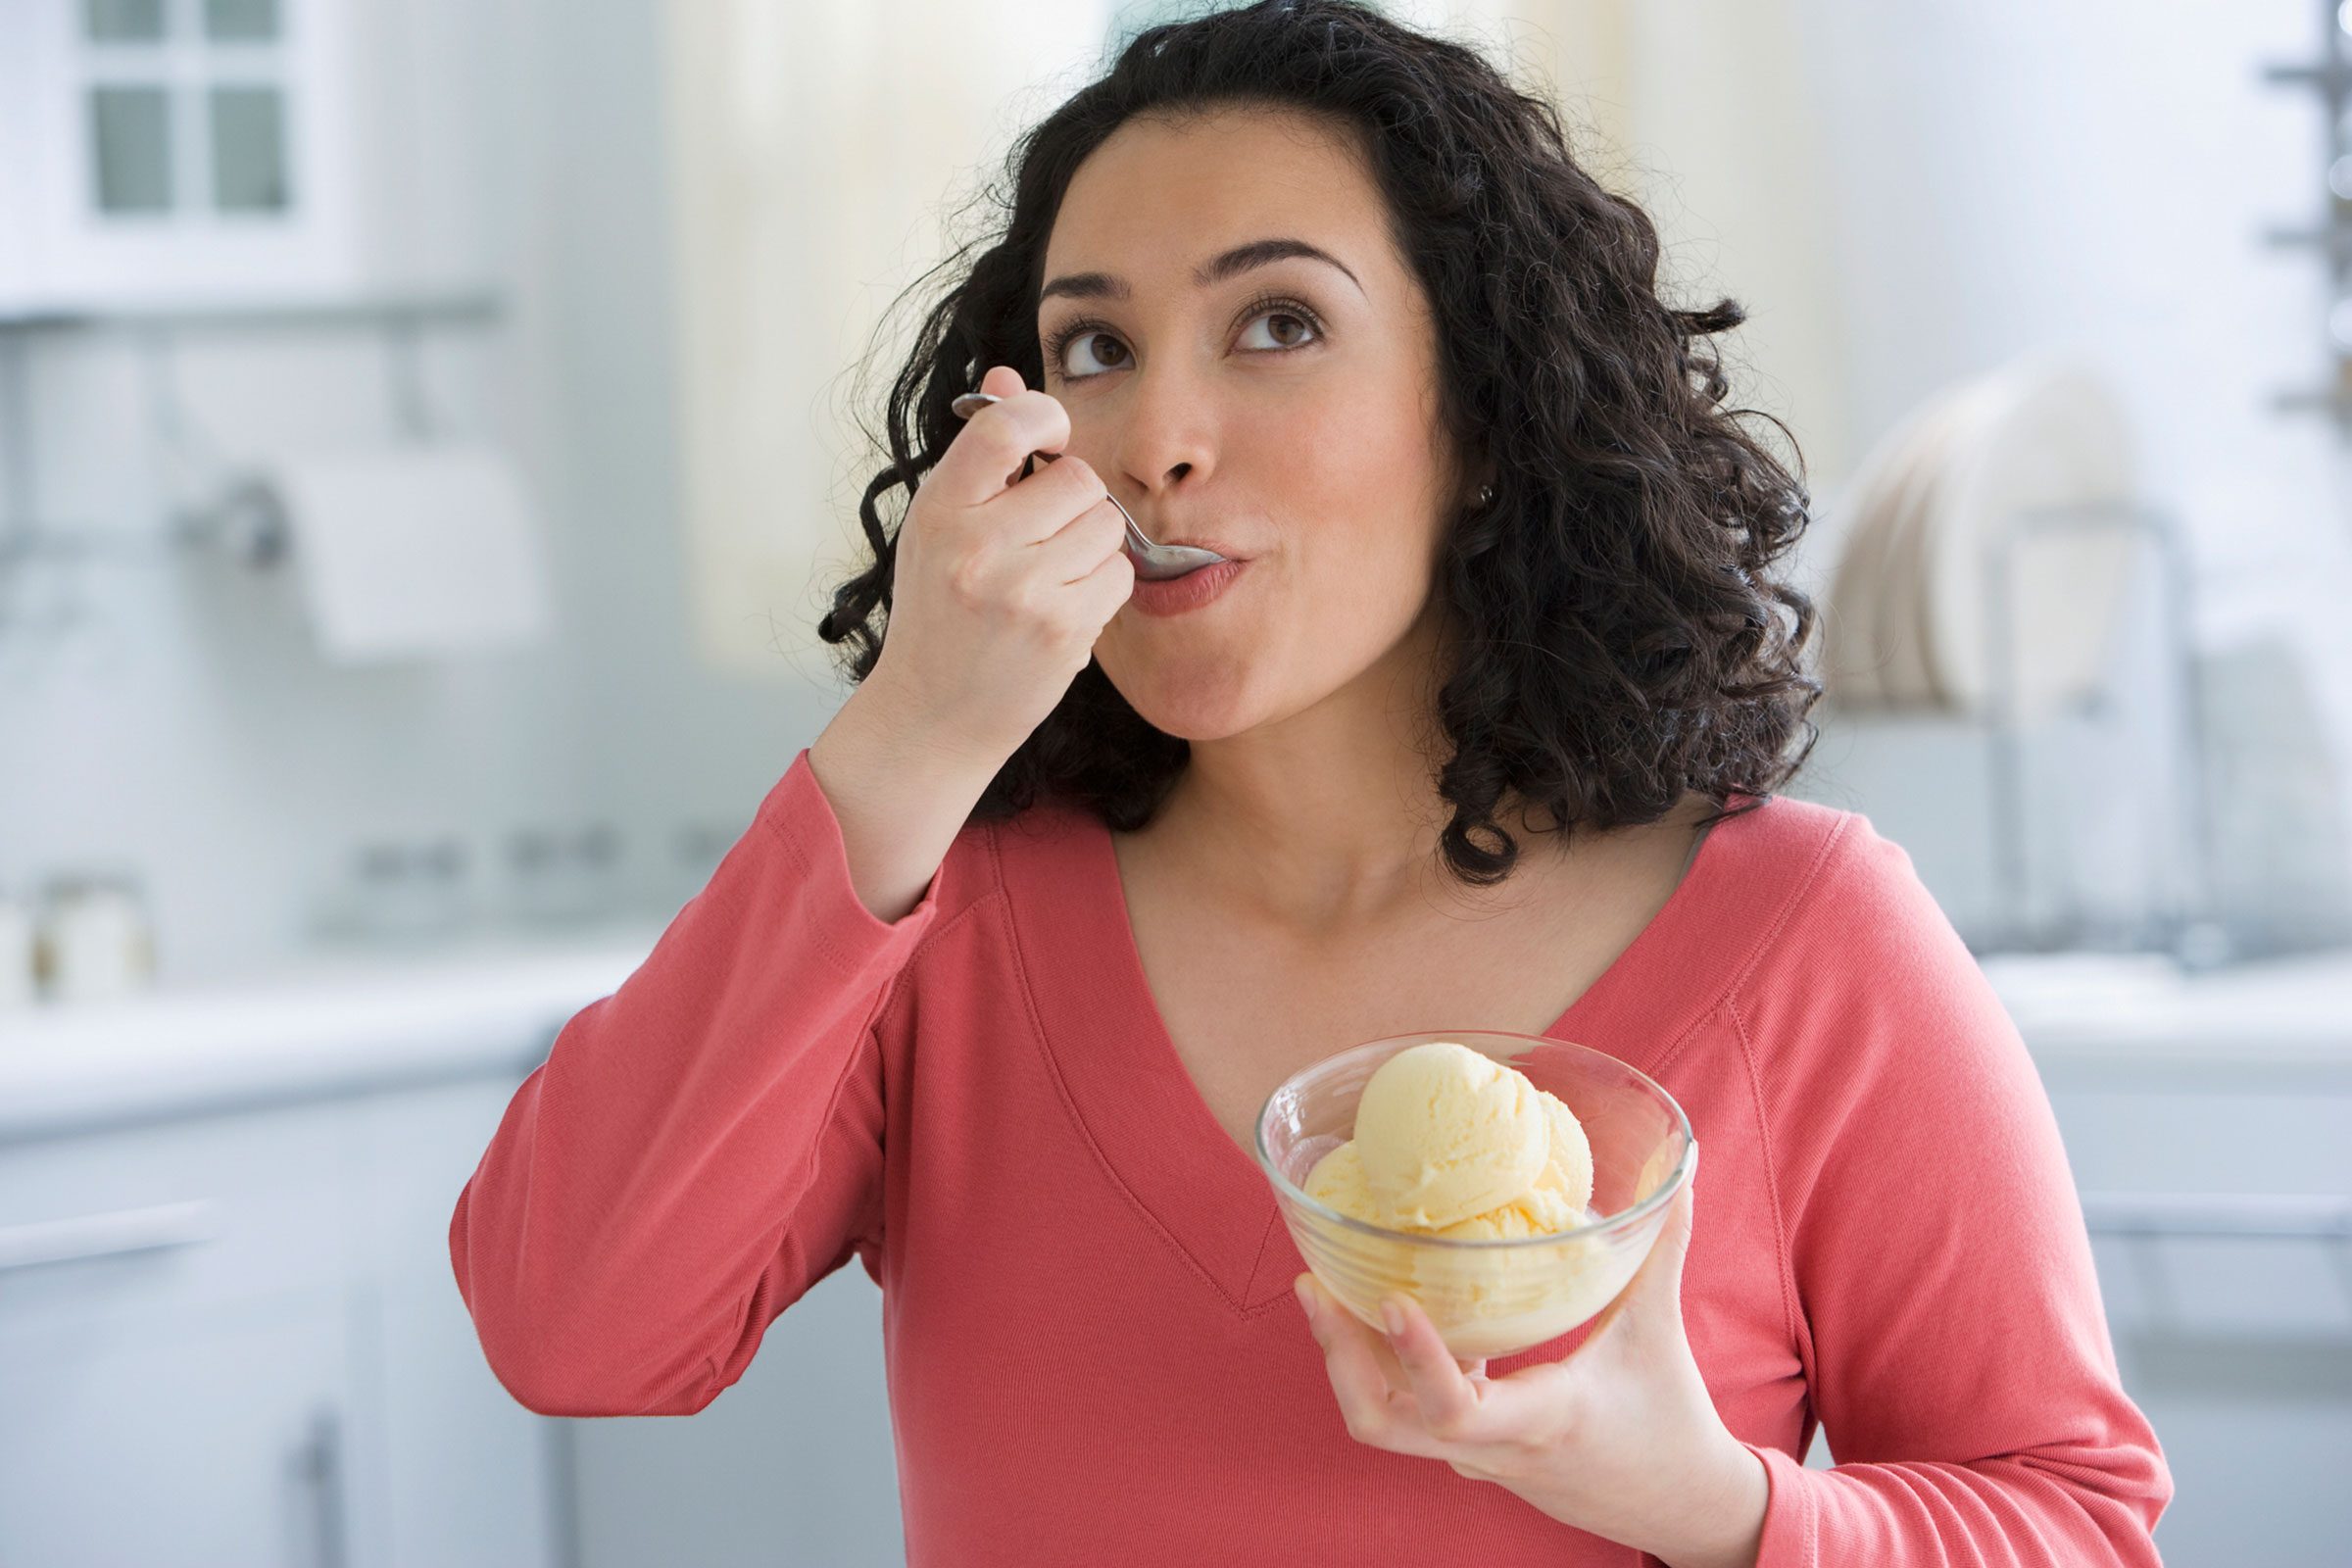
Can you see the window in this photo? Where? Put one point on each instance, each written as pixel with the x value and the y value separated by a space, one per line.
pixel 187 109
pixel 131 136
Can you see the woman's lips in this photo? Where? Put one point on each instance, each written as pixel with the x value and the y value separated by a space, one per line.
pixel 1173 595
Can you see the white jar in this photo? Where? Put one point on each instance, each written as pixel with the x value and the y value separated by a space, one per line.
pixel 95 941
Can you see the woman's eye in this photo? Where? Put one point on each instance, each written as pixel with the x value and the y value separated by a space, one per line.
pixel 1285 329
pixel 1293 328
pixel 1079 341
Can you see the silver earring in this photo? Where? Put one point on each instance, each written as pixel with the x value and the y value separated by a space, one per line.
pixel 1486 493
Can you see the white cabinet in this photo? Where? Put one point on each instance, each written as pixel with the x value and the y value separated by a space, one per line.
pixel 240 152
pixel 236 1340
pixel 470 1478
pixel 218 1435
pixel 2238 1346
pixel 794 1464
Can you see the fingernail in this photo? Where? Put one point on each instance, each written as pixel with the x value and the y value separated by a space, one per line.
pixel 1306 1293
pixel 1394 1316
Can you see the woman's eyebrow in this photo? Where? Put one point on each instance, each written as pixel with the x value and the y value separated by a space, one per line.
pixel 1216 270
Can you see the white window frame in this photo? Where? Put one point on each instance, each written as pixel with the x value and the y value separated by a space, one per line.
pixel 77 256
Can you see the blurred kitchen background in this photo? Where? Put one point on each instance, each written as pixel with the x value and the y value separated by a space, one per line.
pixel 428 430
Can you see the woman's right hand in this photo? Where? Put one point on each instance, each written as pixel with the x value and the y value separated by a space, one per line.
pixel 1001 584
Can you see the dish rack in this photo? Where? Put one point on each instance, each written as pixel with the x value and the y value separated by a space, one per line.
pixel 2330 77
pixel 2184 923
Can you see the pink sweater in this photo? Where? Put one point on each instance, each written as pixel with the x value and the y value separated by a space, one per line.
pixel 1092 1350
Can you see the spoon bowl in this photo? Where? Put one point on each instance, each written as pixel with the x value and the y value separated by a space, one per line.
pixel 1153 562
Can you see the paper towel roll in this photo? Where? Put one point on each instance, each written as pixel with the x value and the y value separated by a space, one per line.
pixel 416 551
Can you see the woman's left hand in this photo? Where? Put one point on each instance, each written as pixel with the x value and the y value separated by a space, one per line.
pixel 1620 1438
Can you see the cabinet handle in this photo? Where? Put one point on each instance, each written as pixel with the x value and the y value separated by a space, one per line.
pixel 318 1472
pixel 108 1235
pixel 2299 1216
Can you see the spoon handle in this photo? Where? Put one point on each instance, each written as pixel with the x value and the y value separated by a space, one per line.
pixel 971 403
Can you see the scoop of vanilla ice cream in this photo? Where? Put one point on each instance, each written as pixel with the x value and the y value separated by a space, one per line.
pixel 1568 1170
pixel 1486 1301
pixel 1557 1200
pixel 1445 1133
pixel 1539 1211
pixel 1338 1180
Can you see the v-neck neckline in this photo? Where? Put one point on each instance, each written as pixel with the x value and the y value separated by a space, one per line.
pixel 1138 1104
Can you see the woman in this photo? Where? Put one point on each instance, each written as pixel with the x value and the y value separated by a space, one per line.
pixel 1480 733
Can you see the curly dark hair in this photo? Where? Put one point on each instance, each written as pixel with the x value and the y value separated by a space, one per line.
pixel 1620 642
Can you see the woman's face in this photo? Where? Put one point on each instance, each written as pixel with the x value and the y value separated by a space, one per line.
pixel 1284 411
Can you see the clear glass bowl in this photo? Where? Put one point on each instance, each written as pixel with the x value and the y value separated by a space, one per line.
pixel 1486 1297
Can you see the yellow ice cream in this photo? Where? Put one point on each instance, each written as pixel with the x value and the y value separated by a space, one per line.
pixel 1561 1192
pixel 1338 1180
pixel 1452 1143
pixel 1445 1133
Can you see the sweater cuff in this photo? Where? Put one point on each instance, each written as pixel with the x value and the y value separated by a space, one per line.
pixel 1790 1538
pixel 796 811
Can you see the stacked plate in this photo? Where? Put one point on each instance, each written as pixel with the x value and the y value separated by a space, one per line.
pixel 1909 620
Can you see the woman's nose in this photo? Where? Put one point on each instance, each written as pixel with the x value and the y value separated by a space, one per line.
pixel 1165 435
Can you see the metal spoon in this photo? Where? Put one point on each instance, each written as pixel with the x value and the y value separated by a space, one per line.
pixel 1153 562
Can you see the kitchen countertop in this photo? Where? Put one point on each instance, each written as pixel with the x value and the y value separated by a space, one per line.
pixel 2271 1020
pixel 330 1023
pixel 357 1021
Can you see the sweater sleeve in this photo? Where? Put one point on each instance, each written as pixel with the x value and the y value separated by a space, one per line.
pixel 1955 1341
pixel 702 1146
